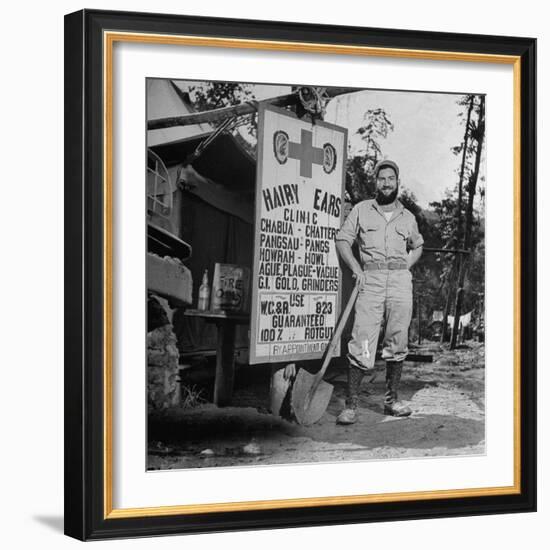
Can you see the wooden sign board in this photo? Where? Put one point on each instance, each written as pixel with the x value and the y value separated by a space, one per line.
pixel 230 288
pixel 299 198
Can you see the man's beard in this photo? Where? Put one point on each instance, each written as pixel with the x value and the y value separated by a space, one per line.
pixel 383 199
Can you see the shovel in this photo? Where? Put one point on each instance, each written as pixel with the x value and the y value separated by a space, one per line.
pixel 311 394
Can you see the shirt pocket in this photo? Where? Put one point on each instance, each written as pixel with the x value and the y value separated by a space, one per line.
pixel 401 237
pixel 371 235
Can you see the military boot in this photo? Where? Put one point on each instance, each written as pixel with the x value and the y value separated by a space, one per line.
pixel 392 405
pixel 349 414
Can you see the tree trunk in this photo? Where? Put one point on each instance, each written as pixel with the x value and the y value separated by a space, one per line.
pixel 469 222
pixel 448 301
pixel 457 261
pixel 461 179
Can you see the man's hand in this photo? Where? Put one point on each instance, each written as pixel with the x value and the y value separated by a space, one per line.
pixel 414 256
pixel 345 252
pixel 360 277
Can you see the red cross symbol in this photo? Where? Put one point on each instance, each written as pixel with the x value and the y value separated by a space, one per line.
pixel 306 153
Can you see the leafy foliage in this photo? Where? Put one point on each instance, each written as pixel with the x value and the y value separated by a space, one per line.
pixel 360 183
pixel 207 96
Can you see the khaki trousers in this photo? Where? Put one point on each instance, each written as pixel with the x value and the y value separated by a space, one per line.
pixel 386 296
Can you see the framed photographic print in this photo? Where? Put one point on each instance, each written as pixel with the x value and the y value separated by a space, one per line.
pixel 300 274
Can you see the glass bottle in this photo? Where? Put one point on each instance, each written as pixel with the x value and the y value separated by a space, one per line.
pixel 204 293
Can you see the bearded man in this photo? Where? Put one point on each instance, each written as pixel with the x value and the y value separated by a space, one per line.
pixel 389 245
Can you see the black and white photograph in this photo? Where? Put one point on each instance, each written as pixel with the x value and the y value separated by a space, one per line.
pixel 315 274
pixel 271 275
pixel 300 276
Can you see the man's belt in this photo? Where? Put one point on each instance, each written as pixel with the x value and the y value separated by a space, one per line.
pixel 371 266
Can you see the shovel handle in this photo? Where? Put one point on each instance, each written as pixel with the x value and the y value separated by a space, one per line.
pixel 335 337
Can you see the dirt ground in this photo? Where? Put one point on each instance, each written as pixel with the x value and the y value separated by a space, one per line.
pixel 447 397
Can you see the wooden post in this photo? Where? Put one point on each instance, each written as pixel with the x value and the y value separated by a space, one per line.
pixel 226 323
pixel 418 316
pixel 247 108
pixel 225 363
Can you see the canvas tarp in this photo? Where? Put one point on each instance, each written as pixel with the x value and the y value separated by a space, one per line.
pixel 216 194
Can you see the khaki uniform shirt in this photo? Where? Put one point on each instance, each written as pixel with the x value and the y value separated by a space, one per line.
pixel 380 240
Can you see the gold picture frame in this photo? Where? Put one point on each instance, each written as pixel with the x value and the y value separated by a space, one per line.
pixel 90 513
